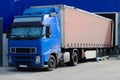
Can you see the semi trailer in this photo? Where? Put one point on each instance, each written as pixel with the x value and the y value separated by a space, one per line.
pixel 46 36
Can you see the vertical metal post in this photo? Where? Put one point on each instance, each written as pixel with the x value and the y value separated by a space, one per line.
pixel 1 44
pixel 117 52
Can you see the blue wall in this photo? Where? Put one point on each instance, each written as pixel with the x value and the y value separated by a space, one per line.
pixel 5 13
pixel 104 5
pixel 10 8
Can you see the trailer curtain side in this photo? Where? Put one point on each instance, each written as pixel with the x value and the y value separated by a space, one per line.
pixel 82 29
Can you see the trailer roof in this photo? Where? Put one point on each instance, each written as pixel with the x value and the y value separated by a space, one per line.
pixel 74 8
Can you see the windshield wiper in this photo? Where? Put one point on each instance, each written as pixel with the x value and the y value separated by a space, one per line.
pixel 25 37
pixel 14 37
pixel 31 37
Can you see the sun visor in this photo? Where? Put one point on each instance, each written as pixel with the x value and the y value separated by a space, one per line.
pixel 15 24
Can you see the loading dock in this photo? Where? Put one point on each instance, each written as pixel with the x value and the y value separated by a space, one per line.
pixel 115 16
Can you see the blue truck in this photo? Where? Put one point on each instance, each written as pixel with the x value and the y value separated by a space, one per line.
pixel 46 36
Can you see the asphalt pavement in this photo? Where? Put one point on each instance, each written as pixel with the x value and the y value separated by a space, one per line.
pixel 89 70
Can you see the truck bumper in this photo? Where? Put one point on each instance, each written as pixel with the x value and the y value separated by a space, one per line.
pixel 26 61
pixel 28 66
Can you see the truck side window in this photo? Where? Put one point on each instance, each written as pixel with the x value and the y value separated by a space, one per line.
pixel 47 32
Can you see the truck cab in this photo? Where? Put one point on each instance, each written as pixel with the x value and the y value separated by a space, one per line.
pixel 34 39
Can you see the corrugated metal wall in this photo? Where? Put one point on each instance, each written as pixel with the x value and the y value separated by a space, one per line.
pixel 5 12
pixel 9 8
pixel 103 5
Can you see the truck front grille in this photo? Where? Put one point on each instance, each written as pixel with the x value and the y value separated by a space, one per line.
pixel 23 50
pixel 23 57
pixel 23 60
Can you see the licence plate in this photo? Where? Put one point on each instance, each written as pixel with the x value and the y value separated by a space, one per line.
pixel 24 66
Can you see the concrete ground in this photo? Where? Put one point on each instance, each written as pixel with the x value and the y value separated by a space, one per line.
pixel 103 70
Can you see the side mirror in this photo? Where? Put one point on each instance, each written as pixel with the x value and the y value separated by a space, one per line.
pixel 8 31
pixel 7 35
pixel 52 14
pixel 47 31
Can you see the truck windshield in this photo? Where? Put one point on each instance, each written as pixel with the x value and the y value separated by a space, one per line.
pixel 25 32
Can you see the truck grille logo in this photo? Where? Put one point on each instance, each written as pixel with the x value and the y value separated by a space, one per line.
pixel 23 50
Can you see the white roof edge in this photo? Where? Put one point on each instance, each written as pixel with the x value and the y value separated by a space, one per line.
pixel 91 13
pixel 106 12
pixel 44 6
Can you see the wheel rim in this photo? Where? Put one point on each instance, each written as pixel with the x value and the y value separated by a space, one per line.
pixel 75 58
pixel 52 63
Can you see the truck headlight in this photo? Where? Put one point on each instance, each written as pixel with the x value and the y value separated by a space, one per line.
pixel 9 59
pixel 37 60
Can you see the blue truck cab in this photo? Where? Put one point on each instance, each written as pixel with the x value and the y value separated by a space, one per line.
pixel 34 39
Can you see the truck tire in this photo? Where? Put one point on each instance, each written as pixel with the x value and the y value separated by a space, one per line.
pixel 51 63
pixel 73 60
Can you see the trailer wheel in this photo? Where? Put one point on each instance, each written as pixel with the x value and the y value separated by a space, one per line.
pixel 73 60
pixel 51 63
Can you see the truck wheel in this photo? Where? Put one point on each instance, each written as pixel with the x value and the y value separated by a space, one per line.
pixel 51 63
pixel 73 60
